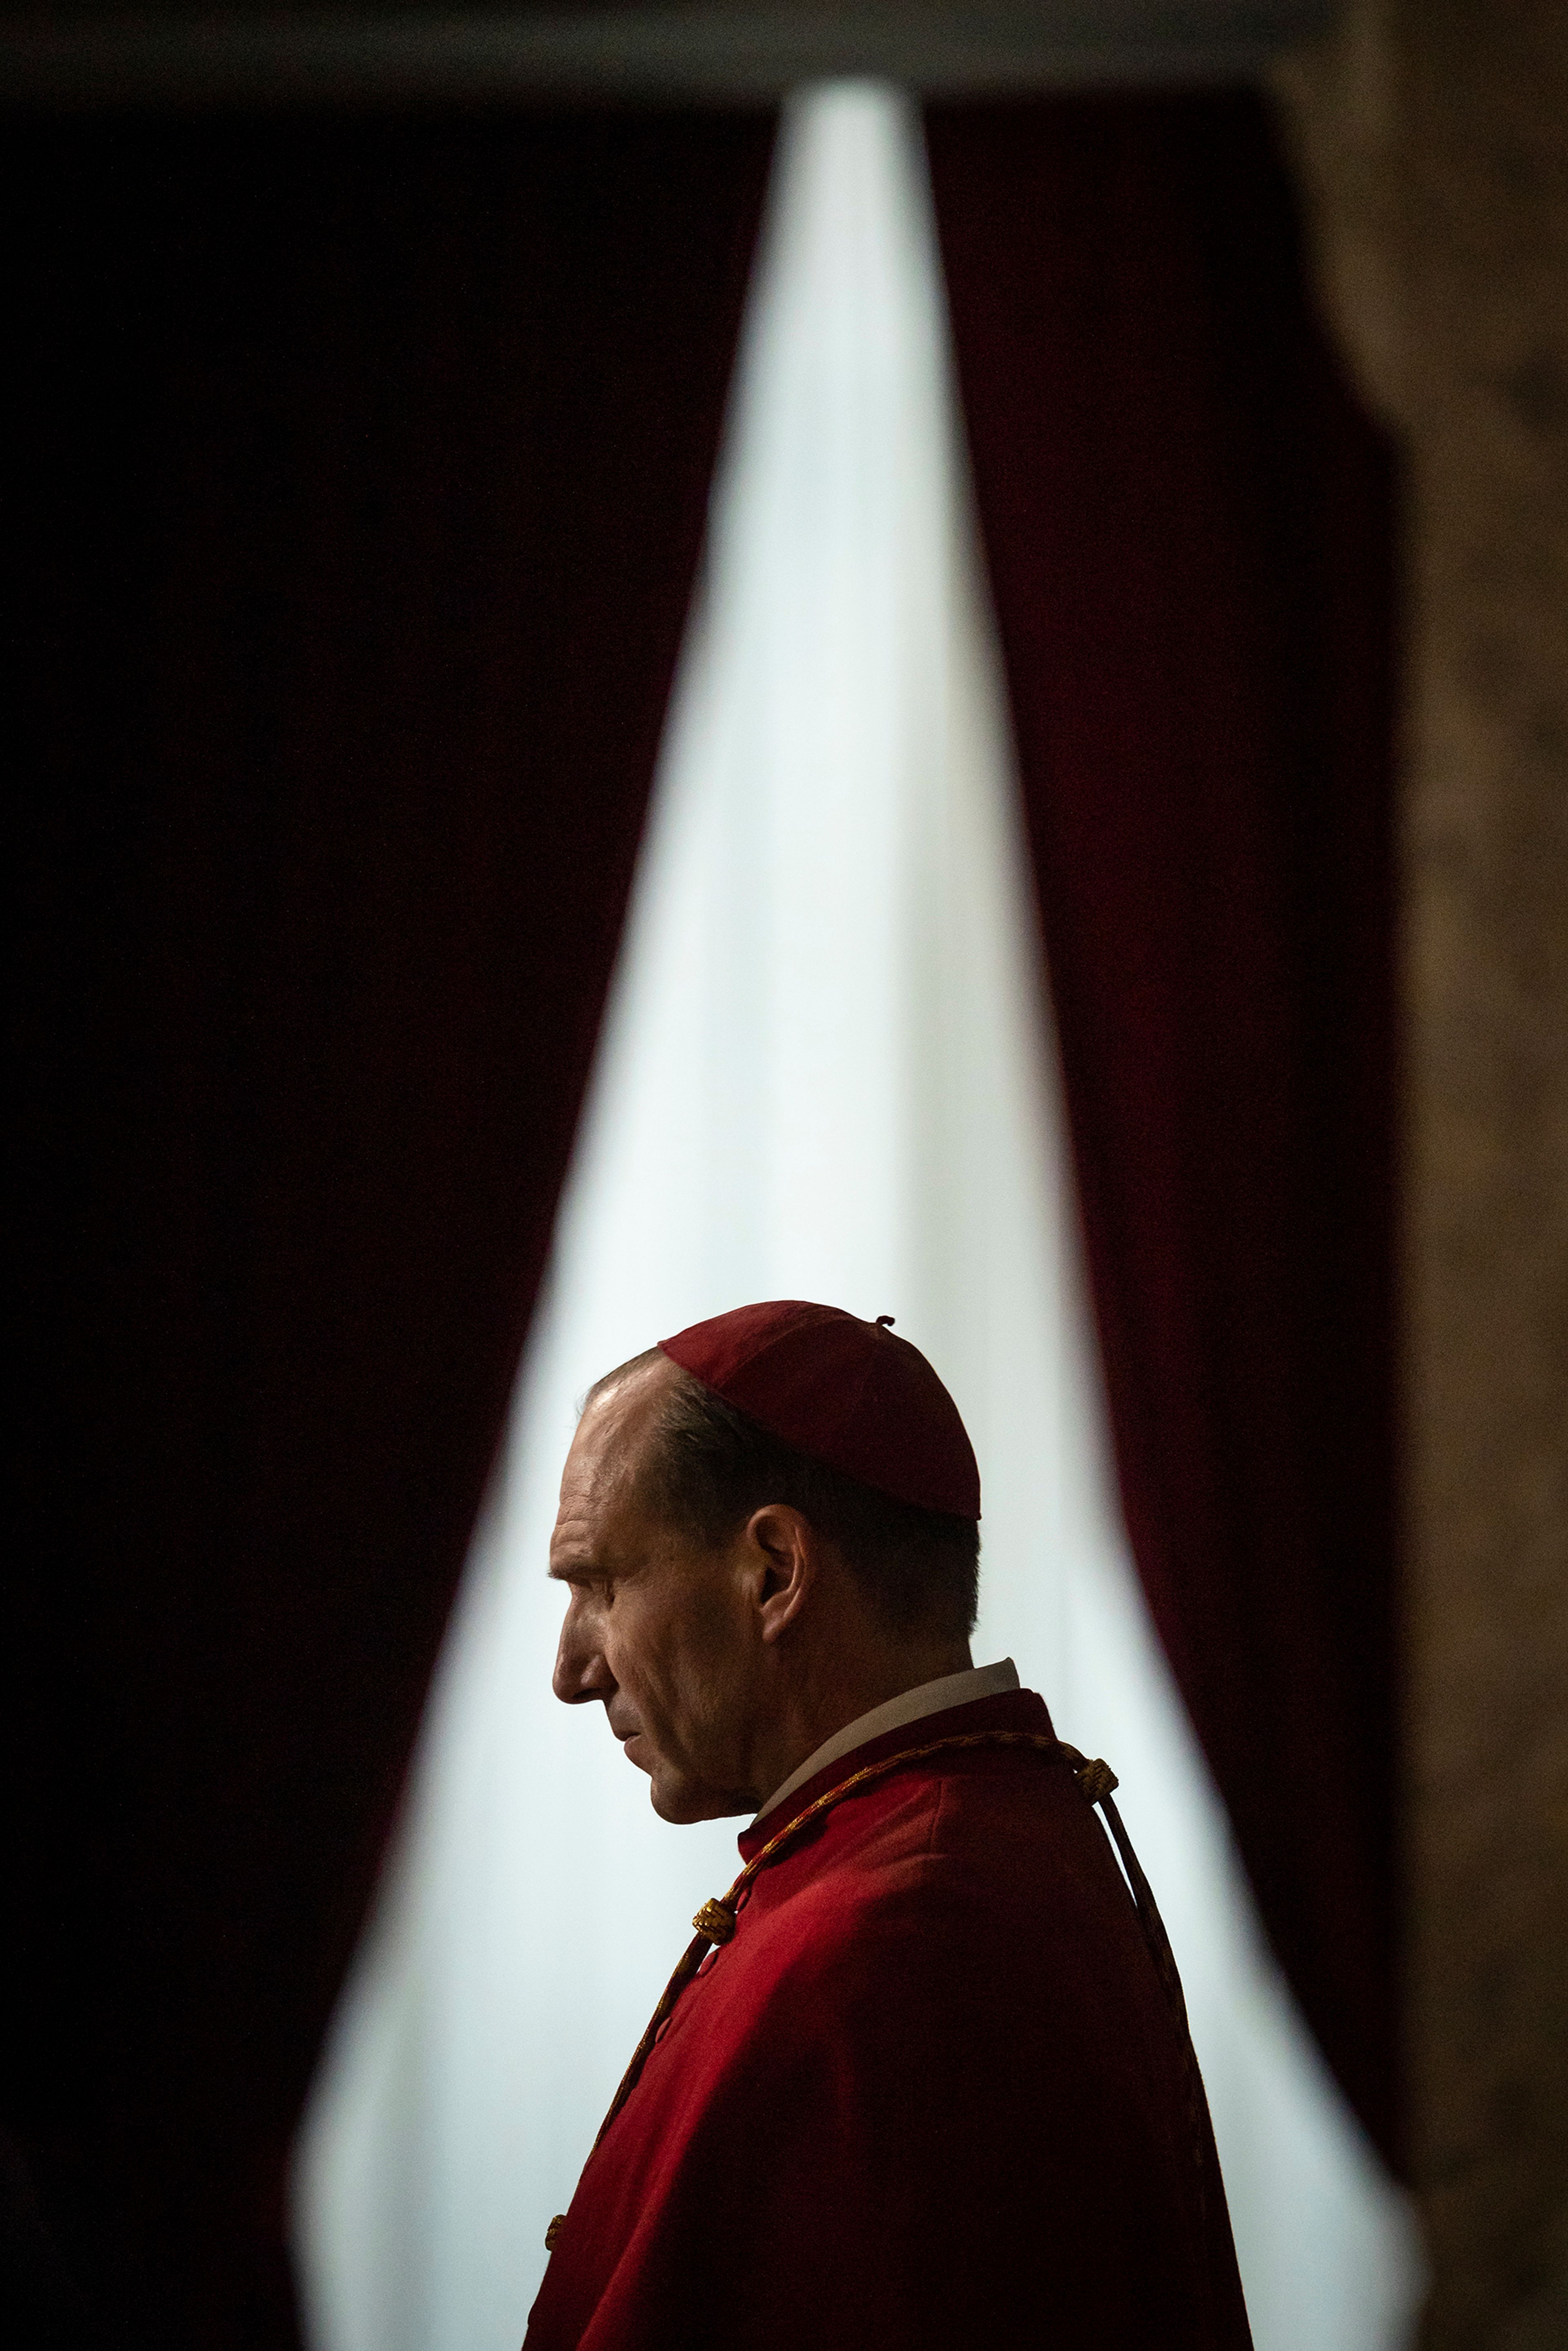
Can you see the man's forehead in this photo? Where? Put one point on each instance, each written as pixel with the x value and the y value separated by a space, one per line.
pixel 604 1452
pixel 591 1486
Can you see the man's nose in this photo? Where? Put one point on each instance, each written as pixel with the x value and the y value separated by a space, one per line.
pixel 580 1671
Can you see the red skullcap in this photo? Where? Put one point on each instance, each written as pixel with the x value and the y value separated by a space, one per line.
pixel 846 1391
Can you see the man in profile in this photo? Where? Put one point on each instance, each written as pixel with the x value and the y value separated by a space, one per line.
pixel 924 2078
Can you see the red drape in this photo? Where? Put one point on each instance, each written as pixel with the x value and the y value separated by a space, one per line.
pixel 358 471
pixel 1188 528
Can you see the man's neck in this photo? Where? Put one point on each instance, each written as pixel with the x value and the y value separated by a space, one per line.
pixel 823 1708
pixel 910 1708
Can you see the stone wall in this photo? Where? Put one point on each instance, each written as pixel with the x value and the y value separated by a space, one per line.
pixel 1432 138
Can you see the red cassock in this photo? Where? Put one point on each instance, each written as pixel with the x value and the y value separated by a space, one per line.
pixel 931 2094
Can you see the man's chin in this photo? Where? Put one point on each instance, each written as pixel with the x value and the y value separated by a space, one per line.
pixel 681 1803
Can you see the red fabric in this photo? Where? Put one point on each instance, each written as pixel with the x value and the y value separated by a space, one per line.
pixel 930 2093
pixel 1188 522
pixel 359 473
pixel 849 1393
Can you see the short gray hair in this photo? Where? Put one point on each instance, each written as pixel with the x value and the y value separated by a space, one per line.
pixel 707 1466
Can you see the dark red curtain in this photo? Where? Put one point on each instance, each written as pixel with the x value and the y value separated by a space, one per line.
pixel 357 472
pixel 1188 526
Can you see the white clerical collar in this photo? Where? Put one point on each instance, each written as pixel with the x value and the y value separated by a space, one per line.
pixel 930 1697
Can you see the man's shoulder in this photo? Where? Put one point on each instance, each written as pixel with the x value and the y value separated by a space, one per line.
pixel 970 1919
pixel 971 1868
pixel 943 1844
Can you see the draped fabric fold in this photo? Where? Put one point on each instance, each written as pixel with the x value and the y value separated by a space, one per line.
pixel 1188 525
pixel 360 477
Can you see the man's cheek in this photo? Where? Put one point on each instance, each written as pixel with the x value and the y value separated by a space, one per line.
pixel 635 1673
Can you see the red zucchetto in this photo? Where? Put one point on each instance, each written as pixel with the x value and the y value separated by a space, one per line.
pixel 848 1393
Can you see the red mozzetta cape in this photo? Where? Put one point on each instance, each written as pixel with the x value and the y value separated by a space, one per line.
pixel 931 2094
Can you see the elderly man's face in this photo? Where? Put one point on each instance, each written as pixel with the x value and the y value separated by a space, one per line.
pixel 656 1627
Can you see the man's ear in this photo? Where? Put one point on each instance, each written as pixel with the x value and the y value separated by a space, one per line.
pixel 784 1550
